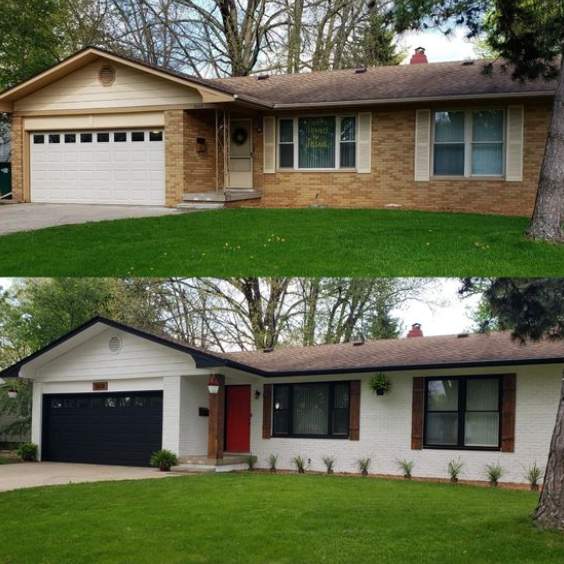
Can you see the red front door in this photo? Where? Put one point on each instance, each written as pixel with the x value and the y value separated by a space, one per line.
pixel 237 418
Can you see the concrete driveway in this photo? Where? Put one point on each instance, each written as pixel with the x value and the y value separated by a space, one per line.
pixel 27 217
pixel 32 474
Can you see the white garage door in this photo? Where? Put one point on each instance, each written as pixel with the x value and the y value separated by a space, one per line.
pixel 98 167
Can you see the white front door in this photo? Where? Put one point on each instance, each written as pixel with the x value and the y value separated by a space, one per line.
pixel 241 154
pixel 124 167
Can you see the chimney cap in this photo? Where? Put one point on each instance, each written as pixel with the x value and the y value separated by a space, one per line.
pixel 415 331
pixel 418 57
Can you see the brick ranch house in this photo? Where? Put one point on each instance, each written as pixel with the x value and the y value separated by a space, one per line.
pixel 101 128
pixel 110 393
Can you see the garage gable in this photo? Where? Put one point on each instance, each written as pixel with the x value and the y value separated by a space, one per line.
pixel 106 85
pixel 116 354
pixel 99 80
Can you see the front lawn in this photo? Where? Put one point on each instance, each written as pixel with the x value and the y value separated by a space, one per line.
pixel 314 242
pixel 272 518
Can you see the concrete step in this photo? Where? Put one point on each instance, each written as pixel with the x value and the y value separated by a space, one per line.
pixel 204 196
pixel 192 206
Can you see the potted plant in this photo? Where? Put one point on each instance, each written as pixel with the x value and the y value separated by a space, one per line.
pixel 380 384
pixel 164 460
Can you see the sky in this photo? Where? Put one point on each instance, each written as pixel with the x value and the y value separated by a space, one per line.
pixel 438 47
pixel 440 310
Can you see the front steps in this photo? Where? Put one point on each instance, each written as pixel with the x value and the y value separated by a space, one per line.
pixel 202 464
pixel 216 199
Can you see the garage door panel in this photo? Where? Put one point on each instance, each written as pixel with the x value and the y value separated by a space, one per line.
pixel 124 428
pixel 97 172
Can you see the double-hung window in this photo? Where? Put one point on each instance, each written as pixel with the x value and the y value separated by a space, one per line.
pixel 468 143
pixel 462 412
pixel 317 143
pixel 311 410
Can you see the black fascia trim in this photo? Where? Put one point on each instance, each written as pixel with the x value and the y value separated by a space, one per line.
pixel 395 368
pixel 202 359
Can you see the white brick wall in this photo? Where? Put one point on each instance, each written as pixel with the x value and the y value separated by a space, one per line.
pixel 385 430
pixel 193 428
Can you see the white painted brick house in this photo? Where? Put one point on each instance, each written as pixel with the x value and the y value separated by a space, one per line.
pixel 108 393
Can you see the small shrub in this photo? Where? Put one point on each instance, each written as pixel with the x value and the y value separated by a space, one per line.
pixel 329 462
pixel 299 463
pixel 494 472
pixel 272 461
pixel 455 467
pixel 27 452
pixel 406 466
pixel 363 465
pixel 251 461
pixel 534 475
pixel 164 460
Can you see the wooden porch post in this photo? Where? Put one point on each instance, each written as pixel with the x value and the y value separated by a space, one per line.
pixel 216 419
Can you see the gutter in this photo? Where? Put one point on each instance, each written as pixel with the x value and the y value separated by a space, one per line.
pixel 418 99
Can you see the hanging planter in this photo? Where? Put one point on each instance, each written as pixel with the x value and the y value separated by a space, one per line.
pixel 380 384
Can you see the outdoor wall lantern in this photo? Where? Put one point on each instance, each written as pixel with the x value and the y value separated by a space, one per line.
pixel 12 394
pixel 213 385
pixel 257 394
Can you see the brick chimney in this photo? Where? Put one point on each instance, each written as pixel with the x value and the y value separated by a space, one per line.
pixel 415 331
pixel 418 57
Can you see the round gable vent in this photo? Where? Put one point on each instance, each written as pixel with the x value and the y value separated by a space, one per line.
pixel 115 344
pixel 106 75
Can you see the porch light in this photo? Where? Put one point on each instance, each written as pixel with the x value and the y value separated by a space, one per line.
pixel 213 385
pixel 12 394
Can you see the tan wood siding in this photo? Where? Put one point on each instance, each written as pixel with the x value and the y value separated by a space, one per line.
pixel 267 411
pixel 94 121
pixel 82 90
pixel 417 412
pixel 354 411
pixel 508 413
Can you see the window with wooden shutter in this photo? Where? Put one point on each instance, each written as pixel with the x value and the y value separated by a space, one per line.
pixel 508 413
pixel 514 151
pixel 267 411
pixel 269 148
pixel 422 145
pixel 417 413
pixel 354 410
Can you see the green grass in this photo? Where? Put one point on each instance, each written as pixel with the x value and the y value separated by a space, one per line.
pixel 272 518
pixel 290 242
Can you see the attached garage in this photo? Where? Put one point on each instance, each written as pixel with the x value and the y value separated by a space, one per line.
pixel 98 167
pixel 102 428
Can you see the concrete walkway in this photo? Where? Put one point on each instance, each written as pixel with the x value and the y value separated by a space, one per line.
pixel 27 217
pixel 33 474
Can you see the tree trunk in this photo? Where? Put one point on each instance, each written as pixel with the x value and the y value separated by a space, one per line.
pixel 549 513
pixel 547 216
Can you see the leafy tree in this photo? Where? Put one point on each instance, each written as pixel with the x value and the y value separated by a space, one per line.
pixel 528 34
pixel 28 42
pixel 18 410
pixel 534 309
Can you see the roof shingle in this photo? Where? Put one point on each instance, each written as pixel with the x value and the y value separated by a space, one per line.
pixel 393 354
pixel 385 83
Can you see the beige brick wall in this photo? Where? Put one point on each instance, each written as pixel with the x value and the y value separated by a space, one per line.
pixel 175 127
pixel 199 174
pixel 17 140
pixel 392 178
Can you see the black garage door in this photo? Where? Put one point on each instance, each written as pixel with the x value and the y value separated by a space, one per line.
pixel 118 428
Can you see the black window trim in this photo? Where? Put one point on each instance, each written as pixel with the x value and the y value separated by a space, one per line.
pixel 290 434
pixel 461 412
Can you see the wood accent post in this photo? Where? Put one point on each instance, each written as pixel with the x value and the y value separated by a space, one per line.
pixel 216 419
pixel 417 409
pixel 354 410
pixel 508 413
pixel 267 411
